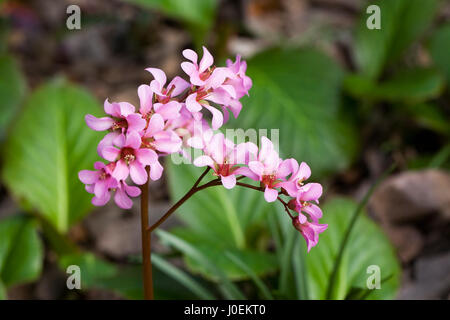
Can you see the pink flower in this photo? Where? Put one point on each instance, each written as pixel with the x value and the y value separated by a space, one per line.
pixel 295 181
pixel 131 159
pixel 123 118
pixel 123 194
pixel 174 88
pixel 240 82
pixel 310 231
pixel 99 182
pixel 223 156
pixel 169 110
pixel 157 137
pixel 212 87
pixel 204 74
pixel 269 169
pixel 302 202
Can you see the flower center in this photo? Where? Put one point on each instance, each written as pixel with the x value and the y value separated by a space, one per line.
pixel 269 180
pixel 120 123
pixel 128 155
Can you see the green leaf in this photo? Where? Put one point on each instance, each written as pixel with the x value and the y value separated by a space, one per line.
pixel 229 290
pixel 367 246
pixel 49 144
pixel 182 277
pixel 440 49
pixel 402 22
pixel 12 91
pixel 21 251
pixel 97 273
pixel 297 91
pixel 410 86
pixel 249 270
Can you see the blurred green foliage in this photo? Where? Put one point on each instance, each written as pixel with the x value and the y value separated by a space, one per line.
pixel 21 252
pixel 47 147
pixel 198 15
pixel 12 91
pixel 402 22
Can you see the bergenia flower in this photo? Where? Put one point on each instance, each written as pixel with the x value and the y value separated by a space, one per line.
pixel 131 159
pixel 123 194
pixel 239 80
pixel 123 118
pixel 99 182
pixel 173 89
pixel 300 173
pixel 269 169
pixel 310 231
pixel 169 110
pixel 223 156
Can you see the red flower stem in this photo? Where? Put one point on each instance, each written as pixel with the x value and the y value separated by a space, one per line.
pixel 146 243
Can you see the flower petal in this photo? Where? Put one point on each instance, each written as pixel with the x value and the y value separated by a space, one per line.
pixel 229 181
pixel 159 75
pixel 217 117
pixel 145 97
pixel 110 153
pixel 136 122
pixel 138 173
pixel 98 202
pixel 270 194
pixel 256 167
pixel 192 104
pixel 156 124
pixel 121 170
pixel 311 192
pixel 156 170
pixel 122 200
pixel 207 60
pixel 190 55
pixel 98 124
pixel 133 140
pixel 88 176
pixel 146 156
pixel 203 161
pixel 100 188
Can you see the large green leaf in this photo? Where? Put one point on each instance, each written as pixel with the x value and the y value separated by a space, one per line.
pixel 367 246
pixel 402 21
pixel 221 220
pixel 21 251
pixel 411 86
pixel 48 145
pixel 297 91
pixel 440 49
pixel 12 90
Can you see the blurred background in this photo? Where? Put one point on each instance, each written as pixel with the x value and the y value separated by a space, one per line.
pixel 348 100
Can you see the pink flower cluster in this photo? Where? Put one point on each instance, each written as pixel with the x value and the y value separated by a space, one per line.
pixel 276 177
pixel 170 113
